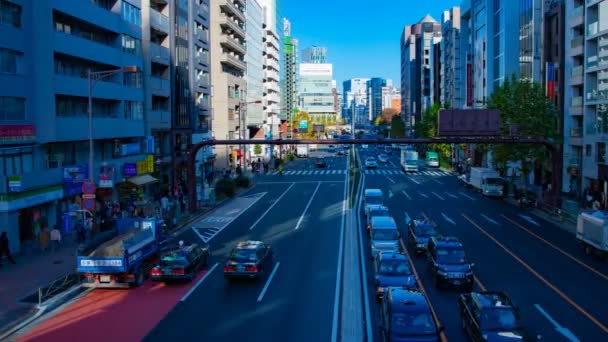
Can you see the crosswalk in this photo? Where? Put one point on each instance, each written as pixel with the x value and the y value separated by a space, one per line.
pixel 436 173
pixel 310 172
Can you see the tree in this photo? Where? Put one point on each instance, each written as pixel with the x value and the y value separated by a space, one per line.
pixel 427 128
pixel 303 116
pixel 388 114
pixel 257 149
pixel 524 107
pixel 378 121
pixel 397 127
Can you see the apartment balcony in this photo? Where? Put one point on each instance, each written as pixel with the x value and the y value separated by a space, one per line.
pixel 88 11
pixel 159 21
pixel 576 108
pixel 202 35
pixel 87 49
pixel 576 136
pixel 234 61
pixel 203 11
pixel 202 58
pixel 75 128
pixel 597 96
pixel 272 98
pixel 271 75
pixel 160 86
pixel 577 16
pixel 271 87
pixel 159 54
pixel 77 86
pixel 202 81
pixel 272 63
pixel 602 41
pixel 232 44
pixel 203 103
pixel 576 77
pixel 228 23
pixel 577 45
pixel 159 119
pixel 229 7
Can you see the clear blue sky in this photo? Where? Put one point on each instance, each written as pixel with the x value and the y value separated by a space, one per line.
pixel 362 36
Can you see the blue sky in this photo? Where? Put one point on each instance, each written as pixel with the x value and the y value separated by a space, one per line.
pixel 362 36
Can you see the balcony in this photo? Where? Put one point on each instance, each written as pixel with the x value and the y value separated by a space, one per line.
pixel 229 7
pixel 232 44
pixel 576 46
pixel 87 49
pixel 202 81
pixel 89 11
pixel 576 77
pixel 576 135
pixel 272 63
pixel 576 108
pixel 597 96
pixel 159 21
pixel 576 17
pixel 203 11
pixel 160 86
pixel 202 58
pixel 271 87
pixel 202 35
pixel 236 28
pixel 272 98
pixel 203 103
pixel 592 29
pixel 234 61
pixel 271 75
pixel 159 119
pixel 592 2
pixel 159 54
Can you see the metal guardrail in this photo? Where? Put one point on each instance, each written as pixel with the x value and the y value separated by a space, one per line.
pixel 58 286
pixel 557 213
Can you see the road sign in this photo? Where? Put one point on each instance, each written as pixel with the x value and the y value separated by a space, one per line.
pixel 88 196
pixel 88 188
pixel 88 204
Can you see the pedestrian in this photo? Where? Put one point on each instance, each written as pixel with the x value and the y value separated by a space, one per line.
pixel 44 238
pixel 5 250
pixel 280 169
pixel 55 238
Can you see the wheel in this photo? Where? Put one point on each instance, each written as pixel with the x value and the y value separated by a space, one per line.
pixel 139 278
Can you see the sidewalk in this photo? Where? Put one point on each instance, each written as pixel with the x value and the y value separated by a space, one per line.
pixel 561 223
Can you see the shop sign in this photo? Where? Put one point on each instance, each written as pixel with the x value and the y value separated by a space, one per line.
pixel 31 201
pixel 145 166
pixel 75 174
pixel 129 169
pixel 149 148
pixel 14 183
pixel 16 134
pixel 105 181
pixel 130 149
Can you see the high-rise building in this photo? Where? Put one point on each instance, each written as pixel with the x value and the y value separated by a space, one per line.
pixel 389 95
pixel 254 112
pixel 354 96
pixel 530 39
pixel 271 68
pixel 289 90
pixel 315 92
pixel 374 97
pixel 314 55
pixel 452 87
pixel 416 87
pixel 436 69
pixel 228 70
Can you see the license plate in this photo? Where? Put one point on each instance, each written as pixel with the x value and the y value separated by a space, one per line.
pixel 105 279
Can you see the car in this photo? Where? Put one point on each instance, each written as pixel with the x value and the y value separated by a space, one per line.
pixel 375 210
pixel 248 259
pixel 340 153
pixel 405 316
pixel 448 263
pixel 180 263
pixel 371 163
pixel 371 197
pixel 384 236
pixel 392 269
pixel 419 232
pixel 320 163
pixel 383 158
pixel 491 316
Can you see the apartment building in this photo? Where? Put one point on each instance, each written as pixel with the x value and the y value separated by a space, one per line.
pixel 452 86
pixel 272 70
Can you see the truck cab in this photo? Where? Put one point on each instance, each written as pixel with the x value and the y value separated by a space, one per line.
pixel 432 159
pixel 409 160
pixel 487 181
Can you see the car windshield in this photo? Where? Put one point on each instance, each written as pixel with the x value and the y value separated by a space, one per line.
pixel 499 319
pixel 494 181
pixel 425 230
pixel 379 212
pixel 413 323
pixel 243 255
pixel 433 159
pixel 394 267
pixel 371 160
pixel 451 256
pixel 173 258
pixel 411 162
pixel 385 234
pixel 373 200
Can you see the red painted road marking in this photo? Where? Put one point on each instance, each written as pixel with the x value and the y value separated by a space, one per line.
pixel 112 314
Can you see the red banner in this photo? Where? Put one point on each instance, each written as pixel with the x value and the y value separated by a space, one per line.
pixel 17 133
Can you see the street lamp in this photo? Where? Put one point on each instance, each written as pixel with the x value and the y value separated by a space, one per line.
pixel 243 126
pixel 93 77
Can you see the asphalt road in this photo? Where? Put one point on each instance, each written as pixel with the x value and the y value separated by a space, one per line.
pixel 538 264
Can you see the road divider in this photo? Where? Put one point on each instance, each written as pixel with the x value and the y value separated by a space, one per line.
pixel 573 258
pixel 565 297
pixel 274 271
pixel 308 206
pixel 271 206
pixel 199 282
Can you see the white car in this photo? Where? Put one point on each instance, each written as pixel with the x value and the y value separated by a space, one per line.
pixel 383 158
pixel 371 163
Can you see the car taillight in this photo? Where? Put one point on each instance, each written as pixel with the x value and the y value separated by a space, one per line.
pixel 155 272
pixel 179 272
pixel 229 268
pixel 251 268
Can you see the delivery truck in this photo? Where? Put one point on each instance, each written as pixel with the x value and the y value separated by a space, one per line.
pixel 302 151
pixel 487 181
pixel 592 231
pixel 409 160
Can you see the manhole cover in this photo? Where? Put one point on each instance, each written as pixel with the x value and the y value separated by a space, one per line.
pixel 57 262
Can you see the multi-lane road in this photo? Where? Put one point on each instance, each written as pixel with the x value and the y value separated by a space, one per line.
pixel 304 215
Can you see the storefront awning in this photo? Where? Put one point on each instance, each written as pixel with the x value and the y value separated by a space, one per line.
pixel 142 180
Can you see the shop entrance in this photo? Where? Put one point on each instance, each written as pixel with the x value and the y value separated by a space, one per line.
pixel 26 224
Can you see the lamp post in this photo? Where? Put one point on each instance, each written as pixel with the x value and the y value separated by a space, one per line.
pixel 93 77
pixel 243 126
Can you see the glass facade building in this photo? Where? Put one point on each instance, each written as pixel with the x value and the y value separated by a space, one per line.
pixel 255 64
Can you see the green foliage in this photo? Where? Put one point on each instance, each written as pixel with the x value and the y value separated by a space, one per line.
pixel 243 182
pixel 523 104
pixel 226 187
pixel 289 157
pixel 257 149
pixel 397 127
pixel 427 128
pixel 378 121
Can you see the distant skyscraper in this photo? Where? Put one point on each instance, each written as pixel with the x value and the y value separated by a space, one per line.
pixel 452 86
pixel 374 97
pixel 314 55
pixel 289 90
pixel 315 93
pixel 354 95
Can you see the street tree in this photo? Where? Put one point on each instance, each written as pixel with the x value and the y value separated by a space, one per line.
pixel 257 149
pixel 378 121
pixel 525 111
pixel 397 127
pixel 388 114
pixel 427 128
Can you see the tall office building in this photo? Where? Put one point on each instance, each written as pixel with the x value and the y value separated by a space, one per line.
pixel 140 75
pixel 530 39
pixel 436 69
pixel 452 86
pixel 374 97
pixel 416 87
pixel 354 95
pixel 228 70
pixel 272 68
pixel 289 89
pixel 254 112
pixel 314 55
pixel 315 94
pixel 391 96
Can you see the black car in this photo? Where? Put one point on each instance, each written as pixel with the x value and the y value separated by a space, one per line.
pixel 180 263
pixel 448 263
pixel 249 259
pixel 320 164
pixel 419 232
pixel 491 316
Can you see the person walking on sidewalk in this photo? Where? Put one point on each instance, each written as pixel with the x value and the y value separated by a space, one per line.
pixel 55 238
pixel 280 169
pixel 5 250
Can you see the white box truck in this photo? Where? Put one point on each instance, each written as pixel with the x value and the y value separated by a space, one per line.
pixel 592 231
pixel 486 180
pixel 302 151
pixel 409 160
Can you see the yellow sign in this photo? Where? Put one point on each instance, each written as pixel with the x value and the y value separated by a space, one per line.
pixel 146 165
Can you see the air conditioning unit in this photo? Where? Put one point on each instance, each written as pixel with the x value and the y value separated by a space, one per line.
pixel 54 162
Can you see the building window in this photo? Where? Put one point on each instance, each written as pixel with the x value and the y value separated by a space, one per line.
pixel 131 45
pixel 587 150
pixel 12 108
pixel 601 153
pixel 11 61
pixel 133 79
pixel 134 110
pixel 131 13
pixel 10 13
pixel 17 162
pixel 71 106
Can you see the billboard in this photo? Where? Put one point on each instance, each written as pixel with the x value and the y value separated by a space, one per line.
pixel 468 122
pixel 308 69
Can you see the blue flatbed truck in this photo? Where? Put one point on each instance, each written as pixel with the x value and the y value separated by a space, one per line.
pixel 120 262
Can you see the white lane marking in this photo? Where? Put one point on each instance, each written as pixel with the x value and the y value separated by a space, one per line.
pixel 307 206
pixel 413 180
pixel 203 238
pixel 335 318
pixel 445 217
pixel 436 195
pixel 490 220
pixel 423 195
pixel 451 195
pixel 465 195
pixel 562 330
pixel 529 219
pixel 274 270
pixel 271 206
pixel 436 181
pixel 390 179
pixel 406 194
pixel 199 282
